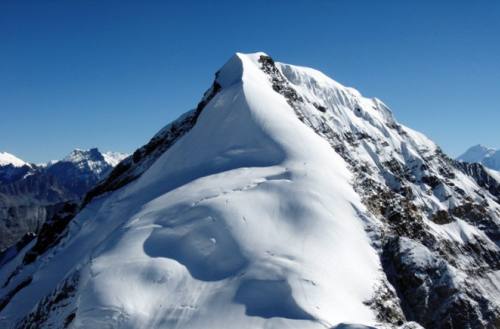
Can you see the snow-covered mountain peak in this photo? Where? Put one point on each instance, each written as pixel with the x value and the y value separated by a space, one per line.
pixel 487 156
pixel 320 95
pixel 79 155
pixel 284 200
pixel 94 159
pixel 10 159
pixel 476 153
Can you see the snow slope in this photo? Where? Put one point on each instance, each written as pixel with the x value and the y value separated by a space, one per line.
pixel 267 212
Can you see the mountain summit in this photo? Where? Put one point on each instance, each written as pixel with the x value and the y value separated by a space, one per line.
pixel 284 200
pixel 94 159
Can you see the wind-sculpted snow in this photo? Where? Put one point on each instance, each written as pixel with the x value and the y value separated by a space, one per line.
pixel 269 299
pixel 285 200
pixel 199 241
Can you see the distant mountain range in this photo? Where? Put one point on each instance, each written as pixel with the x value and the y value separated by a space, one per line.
pixel 29 193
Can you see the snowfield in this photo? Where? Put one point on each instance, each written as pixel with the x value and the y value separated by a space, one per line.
pixel 249 220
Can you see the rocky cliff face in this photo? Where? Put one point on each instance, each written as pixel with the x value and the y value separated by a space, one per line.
pixel 285 200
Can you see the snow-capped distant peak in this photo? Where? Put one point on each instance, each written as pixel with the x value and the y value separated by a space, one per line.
pixel 10 159
pixel 487 156
pixel 94 155
pixel 476 153
pixel 92 159
pixel 79 155
pixel 113 158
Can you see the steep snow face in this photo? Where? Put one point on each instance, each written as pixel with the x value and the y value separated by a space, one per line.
pixel 235 223
pixel 9 159
pixel 287 201
pixel 481 154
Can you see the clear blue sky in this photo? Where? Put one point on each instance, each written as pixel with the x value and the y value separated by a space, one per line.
pixel 111 73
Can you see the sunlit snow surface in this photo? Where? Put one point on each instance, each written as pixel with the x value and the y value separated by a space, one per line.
pixel 248 221
pixel 9 159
